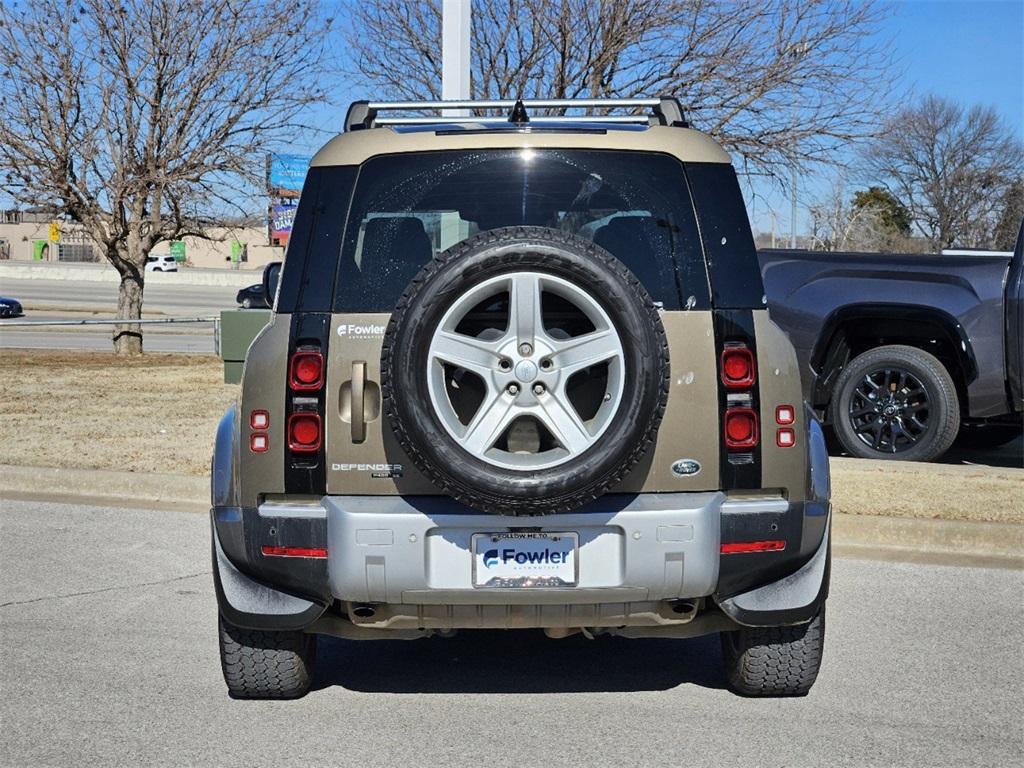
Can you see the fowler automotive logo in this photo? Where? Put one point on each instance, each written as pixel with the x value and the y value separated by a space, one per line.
pixel 353 331
pixel 542 557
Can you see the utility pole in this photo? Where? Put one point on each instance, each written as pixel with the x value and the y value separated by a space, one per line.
pixel 455 48
pixel 792 212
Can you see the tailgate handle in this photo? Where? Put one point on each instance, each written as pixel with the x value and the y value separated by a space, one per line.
pixel 358 402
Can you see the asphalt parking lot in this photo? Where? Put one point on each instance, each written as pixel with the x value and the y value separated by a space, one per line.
pixel 107 629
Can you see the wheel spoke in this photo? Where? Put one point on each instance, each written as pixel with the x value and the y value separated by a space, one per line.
pixel 581 352
pixel 524 308
pixel 564 423
pixel 480 357
pixel 491 419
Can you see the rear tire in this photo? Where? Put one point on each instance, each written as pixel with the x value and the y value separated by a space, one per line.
pixel 936 424
pixel 266 665
pixel 774 661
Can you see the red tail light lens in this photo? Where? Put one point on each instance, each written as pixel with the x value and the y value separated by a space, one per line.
pixel 306 370
pixel 259 442
pixel 785 437
pixel 738 368
pixel 304 434
pixel 740 429
pixel 259 420
pixel 317 553
pixel 741 547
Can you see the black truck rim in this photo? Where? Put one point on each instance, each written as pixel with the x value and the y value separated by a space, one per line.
pixel 890 410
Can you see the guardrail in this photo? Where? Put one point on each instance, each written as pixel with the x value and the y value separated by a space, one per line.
pixel 146 321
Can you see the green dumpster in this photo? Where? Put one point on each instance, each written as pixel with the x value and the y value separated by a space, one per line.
pixel 238 327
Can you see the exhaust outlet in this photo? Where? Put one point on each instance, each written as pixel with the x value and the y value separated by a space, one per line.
pixel 363 611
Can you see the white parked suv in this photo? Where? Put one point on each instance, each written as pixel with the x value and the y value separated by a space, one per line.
pixel 161 263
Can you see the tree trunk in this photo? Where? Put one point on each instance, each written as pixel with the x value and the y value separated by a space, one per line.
pixel 128 337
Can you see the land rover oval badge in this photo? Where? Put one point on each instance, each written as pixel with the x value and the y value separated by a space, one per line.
pixel 685 467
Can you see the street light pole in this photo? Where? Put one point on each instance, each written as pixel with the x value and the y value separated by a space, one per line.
pixel 455 28
pixel 792 212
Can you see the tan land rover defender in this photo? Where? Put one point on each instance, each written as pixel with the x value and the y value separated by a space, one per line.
pixel 520 375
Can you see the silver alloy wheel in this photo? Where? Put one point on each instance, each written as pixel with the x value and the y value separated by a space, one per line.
pixel 525 371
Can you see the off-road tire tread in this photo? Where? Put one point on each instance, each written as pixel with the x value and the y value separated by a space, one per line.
pixel 945 432
pixel 505 505
pixel 266 665
pixel 774 661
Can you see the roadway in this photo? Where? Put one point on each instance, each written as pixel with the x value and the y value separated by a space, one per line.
pixel 108 634
pixel 69 300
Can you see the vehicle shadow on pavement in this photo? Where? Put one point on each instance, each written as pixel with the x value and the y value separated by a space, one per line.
pixel 520 661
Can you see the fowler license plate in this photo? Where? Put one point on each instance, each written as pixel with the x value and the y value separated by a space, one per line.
pixel 525 559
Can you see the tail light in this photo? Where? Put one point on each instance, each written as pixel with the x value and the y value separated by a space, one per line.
pixel 740 429
pixel 737 365
pixel 742 547
pixel 317 553
pixel 306 371
pixel 304 432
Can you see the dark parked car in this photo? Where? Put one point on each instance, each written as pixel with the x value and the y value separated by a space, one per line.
pixel 900 353
pixel 10 307
pixel 252 297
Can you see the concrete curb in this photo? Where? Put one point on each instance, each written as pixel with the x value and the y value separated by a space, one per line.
pixel 101 486
pixel 870 535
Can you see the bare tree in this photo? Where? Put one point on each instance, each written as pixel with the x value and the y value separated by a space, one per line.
pixel 1005 236
pixel 139 117
pixel 950 166
pixel 871 220
pixel 774 81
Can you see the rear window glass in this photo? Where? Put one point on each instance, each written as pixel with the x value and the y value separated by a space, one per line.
pixel 408 208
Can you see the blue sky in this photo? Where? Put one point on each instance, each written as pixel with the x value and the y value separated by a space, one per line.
pixel 971 51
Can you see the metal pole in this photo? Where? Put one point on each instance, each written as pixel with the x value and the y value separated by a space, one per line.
pixel 792 213
pixel 455 28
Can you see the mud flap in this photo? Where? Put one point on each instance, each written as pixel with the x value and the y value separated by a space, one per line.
pixel 250 604
pixel 794 599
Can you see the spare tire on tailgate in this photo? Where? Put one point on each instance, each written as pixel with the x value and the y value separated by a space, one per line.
pixel 525 371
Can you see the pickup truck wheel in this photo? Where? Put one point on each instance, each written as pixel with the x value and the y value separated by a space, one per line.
pixel 266 665
pixel 774 661
pixel 525 371
pixel 895 402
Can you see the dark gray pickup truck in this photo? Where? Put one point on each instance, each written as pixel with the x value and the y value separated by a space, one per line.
pixel 901 353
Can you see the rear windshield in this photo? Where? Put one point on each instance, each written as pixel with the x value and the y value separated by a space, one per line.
pixel 408 208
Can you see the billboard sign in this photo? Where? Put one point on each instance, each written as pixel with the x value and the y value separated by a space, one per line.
pixel 285 174
pixel 282 217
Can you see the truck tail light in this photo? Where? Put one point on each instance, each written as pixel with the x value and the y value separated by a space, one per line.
pixel 737 366
pixel 304 432
pixel 740 429
pixel 785 414
pixel 306 371
pixel 259 442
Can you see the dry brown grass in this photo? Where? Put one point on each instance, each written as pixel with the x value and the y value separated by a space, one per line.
pixel 949 492
pixel 159 413
pixel 90 410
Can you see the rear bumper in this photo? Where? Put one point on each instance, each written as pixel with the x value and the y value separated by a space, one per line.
pixel 410 558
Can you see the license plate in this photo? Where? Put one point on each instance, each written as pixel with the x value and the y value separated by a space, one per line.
pixel 525 559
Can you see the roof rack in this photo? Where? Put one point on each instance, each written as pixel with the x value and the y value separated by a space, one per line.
pixel 366 114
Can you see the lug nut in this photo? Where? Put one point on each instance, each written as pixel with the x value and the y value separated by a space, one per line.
pixel 538 389
pixel 513 389
pixel 525 350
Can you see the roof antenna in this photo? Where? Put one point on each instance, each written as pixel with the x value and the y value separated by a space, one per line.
pixel 518 114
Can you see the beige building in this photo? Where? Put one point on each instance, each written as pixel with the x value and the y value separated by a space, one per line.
pixel 245 246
